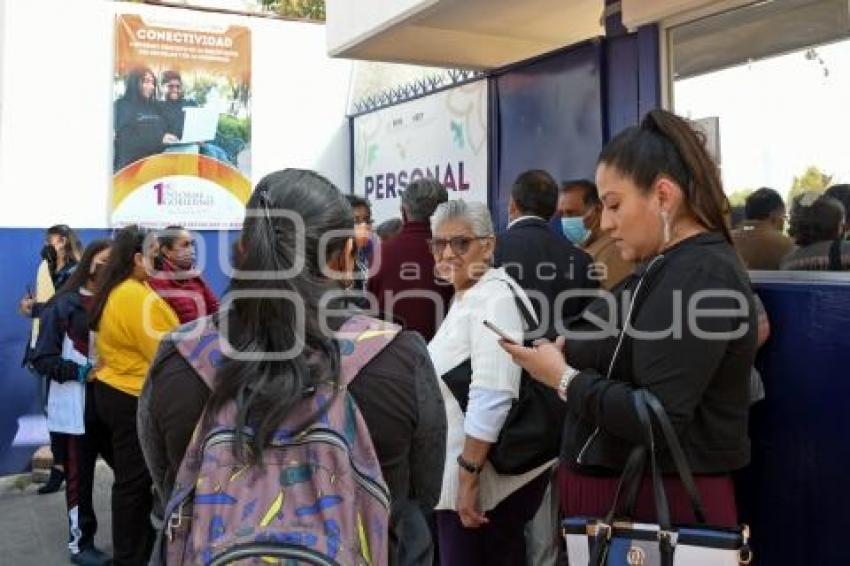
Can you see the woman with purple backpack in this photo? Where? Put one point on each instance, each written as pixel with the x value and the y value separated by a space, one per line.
pixel 308 419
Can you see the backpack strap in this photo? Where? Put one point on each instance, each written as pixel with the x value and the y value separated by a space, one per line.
pixel 361 339
pixel 198 342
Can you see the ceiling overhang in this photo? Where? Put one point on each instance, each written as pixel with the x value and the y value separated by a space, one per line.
pixel 475 34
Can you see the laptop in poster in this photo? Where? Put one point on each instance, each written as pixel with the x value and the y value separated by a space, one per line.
pixel 199 125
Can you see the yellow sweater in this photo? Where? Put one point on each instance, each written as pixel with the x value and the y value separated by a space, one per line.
pixel 133 322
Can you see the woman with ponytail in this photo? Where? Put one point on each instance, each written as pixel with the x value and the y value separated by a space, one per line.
pixel 129 319
pixel 683 327
pixel 296 250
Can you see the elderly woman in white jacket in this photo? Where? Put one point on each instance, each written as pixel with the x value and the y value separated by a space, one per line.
pixel 481 514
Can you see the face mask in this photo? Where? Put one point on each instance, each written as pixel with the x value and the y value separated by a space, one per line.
pixel 48 253
pixel 185 259
pixel 574 229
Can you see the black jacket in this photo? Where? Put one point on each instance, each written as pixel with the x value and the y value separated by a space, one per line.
pixel 64 316
pixel 139 129
pixel 542 261
pixel 702 383
pixel 59 278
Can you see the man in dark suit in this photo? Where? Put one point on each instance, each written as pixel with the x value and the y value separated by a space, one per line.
pixel 543 263
pixel 405 285
pixel 546 265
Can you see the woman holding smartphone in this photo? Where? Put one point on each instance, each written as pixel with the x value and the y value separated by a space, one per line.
pixel 686 331
pixel 481 514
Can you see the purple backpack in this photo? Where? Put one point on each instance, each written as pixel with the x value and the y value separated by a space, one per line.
pixel 318 498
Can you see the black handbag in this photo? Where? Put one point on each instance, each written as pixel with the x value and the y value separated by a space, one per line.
pixel 531 435
pixel 615 540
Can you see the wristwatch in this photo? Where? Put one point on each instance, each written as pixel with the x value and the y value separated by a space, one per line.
pixel 470 467
pixel 566 378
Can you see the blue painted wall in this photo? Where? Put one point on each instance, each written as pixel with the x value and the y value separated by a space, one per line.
pixel 18 388
pixel 550 116
pixel 632 78
pixel 794 493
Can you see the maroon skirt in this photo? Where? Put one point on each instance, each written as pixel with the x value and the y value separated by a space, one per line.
pixel 592 496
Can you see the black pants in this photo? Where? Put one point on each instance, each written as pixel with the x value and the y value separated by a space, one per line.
pixel 77 454
pixel 58 447
pixel 80 458
pixel 502 540
pixel 132 533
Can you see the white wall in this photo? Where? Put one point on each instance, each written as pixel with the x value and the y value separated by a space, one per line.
pixel 56 93
pixel 2 54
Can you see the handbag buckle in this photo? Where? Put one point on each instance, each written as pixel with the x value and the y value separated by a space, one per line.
pixel 745 553
pixel 600 526
pixel 666 539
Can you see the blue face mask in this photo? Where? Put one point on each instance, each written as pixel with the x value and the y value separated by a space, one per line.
pixel 574 229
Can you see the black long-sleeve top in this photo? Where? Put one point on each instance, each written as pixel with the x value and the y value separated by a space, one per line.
pixel 397 394
pixel 702 383
pixel 139 129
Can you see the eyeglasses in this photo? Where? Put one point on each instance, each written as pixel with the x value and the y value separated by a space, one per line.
pixel 459 244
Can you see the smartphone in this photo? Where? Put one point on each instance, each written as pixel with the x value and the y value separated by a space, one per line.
pixel 30 293
pixel 499 332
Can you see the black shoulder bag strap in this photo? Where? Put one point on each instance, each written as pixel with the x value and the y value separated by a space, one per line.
pixel 531 324
pixel 835 263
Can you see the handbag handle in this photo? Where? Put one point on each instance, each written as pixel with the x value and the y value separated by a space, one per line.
pixel 662 508
pixel 634 471
pixel 648 406
pixel 630 481
pixel 680 461
pixel 633 475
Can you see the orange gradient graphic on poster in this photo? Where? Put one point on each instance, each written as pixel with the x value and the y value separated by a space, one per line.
pixel 144 172
pixel 182 121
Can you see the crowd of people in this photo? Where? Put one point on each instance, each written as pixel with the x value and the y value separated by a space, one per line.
pixel 366 400
pixel 817 231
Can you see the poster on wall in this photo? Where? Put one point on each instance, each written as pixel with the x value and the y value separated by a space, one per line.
pixel 442 136
pixel 181 123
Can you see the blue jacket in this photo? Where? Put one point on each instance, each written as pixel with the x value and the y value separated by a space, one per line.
pixel 64 318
